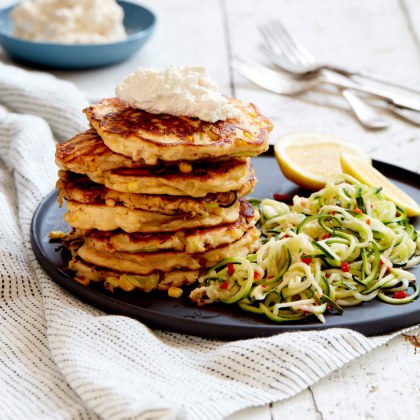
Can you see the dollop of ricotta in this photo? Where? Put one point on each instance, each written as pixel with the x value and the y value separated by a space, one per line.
pixel 181 91
pixel 69 21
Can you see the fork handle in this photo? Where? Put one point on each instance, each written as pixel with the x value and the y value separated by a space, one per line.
pixel 364 113
pixel 360 76
pixel 339 80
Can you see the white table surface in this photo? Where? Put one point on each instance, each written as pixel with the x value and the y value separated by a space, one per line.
pixel 381 36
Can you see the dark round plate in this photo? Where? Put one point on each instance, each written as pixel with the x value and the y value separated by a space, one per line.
pixel 221 321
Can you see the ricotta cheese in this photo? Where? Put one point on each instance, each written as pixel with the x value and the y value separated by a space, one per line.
pixel 69 21
pixel 181 91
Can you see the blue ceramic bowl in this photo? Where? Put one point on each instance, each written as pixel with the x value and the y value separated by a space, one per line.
pixel 139 23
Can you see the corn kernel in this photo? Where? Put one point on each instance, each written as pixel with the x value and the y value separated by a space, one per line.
pixel 132 185
pixel 175 292
pixel 195 247
pixel 185 167
pixel 72 217
pixel 125 284
pixel 56 234
pixel 110 202
pixel 113 281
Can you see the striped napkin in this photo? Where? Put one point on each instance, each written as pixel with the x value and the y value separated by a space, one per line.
pixel 61 358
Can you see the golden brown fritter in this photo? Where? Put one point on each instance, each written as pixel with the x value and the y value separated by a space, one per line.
pixel 103 217
pixel 143 263
pixel 79 188
pixel 153 137
pixel 191 241
pixel 194 181
pixel 86 273
pixel 86 152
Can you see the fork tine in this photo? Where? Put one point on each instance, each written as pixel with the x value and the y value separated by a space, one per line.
pixel 284 63
pixel 293 45
pixel 276 45
pixel 270 79
pixel 283 38
pixel 280 45
pixel 252 73
pixel 251 66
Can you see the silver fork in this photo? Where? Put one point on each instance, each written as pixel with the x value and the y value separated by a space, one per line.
pixel 285 85
pixel 304 62
pixel 289 55
pixel 270 79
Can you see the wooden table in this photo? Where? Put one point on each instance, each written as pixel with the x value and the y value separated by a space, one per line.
pixel 381 36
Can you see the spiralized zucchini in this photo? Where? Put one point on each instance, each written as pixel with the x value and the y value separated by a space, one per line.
pixel 343 245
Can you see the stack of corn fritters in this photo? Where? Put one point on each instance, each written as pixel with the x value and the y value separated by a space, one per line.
pixel 155 199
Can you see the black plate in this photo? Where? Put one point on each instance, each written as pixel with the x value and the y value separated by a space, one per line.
pixel 221 321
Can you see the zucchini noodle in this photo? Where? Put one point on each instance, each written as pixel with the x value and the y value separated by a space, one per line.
pixel 341 246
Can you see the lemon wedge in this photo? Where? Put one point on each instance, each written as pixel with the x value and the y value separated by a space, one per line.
pixel 367 174
pixel 311 160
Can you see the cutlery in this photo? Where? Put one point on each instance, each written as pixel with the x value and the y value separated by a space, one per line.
pixel 284 85
pixel 406 114
pixel 365 114
pixel 298 60
pixel 291 56
pixel 271 80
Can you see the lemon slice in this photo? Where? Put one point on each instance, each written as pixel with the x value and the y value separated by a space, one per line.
pixel 368 175
pixel 311 160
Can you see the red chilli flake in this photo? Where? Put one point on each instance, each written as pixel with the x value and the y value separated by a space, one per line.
pixel 368 221
pixel 381 263
pixel 256 275
pixel 306 260
pixel 345 267
pixel 357 210
pixel 224 285
pixel 230 269
pixel 399 295
pixel 281 197
pixel 326 236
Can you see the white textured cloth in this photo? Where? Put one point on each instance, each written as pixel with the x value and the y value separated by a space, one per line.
pixel 62 359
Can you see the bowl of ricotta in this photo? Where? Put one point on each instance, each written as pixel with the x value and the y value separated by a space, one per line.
pixel 74 34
